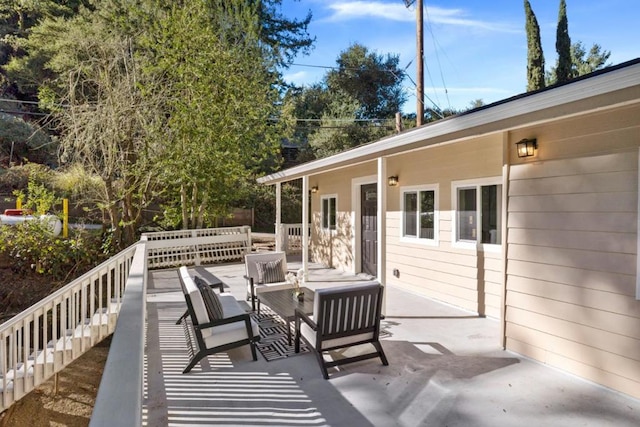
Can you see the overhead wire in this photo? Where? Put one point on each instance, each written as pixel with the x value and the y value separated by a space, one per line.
pixel 435 48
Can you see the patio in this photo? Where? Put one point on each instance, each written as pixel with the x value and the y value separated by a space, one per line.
pixel 446 368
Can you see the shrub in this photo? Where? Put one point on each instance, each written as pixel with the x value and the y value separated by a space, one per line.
pixel 32 247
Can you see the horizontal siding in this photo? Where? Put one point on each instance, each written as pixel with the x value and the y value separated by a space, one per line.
pixel 624 243
pixel 623 181
pixel 441 271
pixel 576 295
pixel 622 284
pixel 582 259
pixel 621 201
pixel 571 265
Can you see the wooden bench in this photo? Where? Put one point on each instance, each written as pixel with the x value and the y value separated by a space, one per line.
pixel 213 334
pixel 344 316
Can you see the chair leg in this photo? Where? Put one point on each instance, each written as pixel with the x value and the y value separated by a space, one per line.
pixel 253 350
pixel 383 357
pixel 194 360
pixel 323 367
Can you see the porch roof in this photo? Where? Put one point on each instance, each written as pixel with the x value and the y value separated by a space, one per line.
pixel 605 89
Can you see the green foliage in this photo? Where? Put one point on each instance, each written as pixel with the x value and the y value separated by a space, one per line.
pixel 21 142
pixel 18 177
pixel 374 81
pixel 535 57
pixel 563 46
pixel 218 86
pixel 582 62
pixel 32 247
pixel 355 104
pixel 38 198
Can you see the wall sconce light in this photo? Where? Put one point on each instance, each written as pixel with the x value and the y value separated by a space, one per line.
pixel 393 180
pixel 314 189
pixel 526 147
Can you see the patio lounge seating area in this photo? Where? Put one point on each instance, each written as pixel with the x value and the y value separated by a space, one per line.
pixel 446 367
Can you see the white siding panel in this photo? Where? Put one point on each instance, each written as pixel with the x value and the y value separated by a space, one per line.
pixel 571 265
pixel 577 295
pixel 606 163
pixel 596 183
pixel 585 240
pixel 616 222
pixel 615 323
pixel 603 281
pixel 583 202
pixel 581 259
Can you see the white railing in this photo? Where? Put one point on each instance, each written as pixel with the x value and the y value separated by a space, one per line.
pixel 291 238
pixel 45 338
pixel 119 400
pixel 195 247
pixel 42 340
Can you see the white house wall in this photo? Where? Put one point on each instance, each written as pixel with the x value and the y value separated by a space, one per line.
pixel 572 249
pixel 468 278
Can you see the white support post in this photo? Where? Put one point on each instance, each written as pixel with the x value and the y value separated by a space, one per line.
pixel 278 229
pixel 381 260
pixel 305 226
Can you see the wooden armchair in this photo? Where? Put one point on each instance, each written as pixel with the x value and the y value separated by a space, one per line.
pixel 217 322
pixel 265 271
pixel 342 317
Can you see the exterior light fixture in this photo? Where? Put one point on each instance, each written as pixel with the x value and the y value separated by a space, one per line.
pixel 314 189
pixel 393 180
pixel 526 147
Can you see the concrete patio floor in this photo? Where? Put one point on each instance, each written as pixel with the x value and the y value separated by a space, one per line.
pixel 446 368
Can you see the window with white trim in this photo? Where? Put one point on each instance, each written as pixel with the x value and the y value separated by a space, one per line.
pixel 478 213
pixel 419 213
pixel 329 212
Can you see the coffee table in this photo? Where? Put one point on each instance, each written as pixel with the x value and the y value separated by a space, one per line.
pixel 284 304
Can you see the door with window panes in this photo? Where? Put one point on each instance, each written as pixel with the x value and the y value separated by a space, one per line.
pixel 369 227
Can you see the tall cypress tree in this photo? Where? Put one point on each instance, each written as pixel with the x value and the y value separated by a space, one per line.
pixel 563 45
pixel 535 58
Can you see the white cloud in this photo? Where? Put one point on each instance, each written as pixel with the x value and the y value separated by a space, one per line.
pixel 347 10
pixel 299 77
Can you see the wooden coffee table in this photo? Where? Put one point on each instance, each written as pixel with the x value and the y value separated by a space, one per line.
pixel 284 304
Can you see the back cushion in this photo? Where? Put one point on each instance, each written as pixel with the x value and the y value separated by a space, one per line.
pixel 270 271
pixel 210 299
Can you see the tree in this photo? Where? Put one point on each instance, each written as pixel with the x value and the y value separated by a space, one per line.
pixel 563 46
pixel 582 62
pixel 354 104
pixel 535 57
pixel 375 81
pixel 218 86
pixel 104 119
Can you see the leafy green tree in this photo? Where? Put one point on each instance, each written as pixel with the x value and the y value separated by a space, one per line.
pixel 354 104
pixel 582 62
pixel 219 93
pixel 535 57
pixel 21 141
pixel 563 46
pixel 373 80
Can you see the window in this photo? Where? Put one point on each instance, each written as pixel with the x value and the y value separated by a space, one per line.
pixel 419 213
pixel 329 212
pixel 479 213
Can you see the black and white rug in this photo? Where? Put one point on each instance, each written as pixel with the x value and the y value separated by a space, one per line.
pixel 273 343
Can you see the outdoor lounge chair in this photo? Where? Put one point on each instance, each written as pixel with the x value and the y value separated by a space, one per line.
pixel 265 271
pixel 342 317
pixel 218 322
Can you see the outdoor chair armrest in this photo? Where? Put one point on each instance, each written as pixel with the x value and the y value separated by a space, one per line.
pixel 239 318
pixel 299 315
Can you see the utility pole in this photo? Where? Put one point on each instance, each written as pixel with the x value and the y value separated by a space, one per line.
pixel 419 60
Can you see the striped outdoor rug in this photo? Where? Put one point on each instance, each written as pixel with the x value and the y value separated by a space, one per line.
pixel 273 343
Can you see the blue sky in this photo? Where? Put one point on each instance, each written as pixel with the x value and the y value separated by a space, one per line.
pixel 474 49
